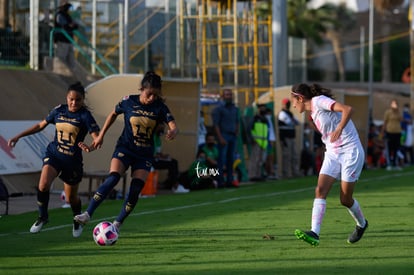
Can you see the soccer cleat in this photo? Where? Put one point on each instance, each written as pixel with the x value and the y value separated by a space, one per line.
pixel 37 226
pixel 83 218
pixel 77 229
pixel 117 226
pixel 357 234
pixel 308 236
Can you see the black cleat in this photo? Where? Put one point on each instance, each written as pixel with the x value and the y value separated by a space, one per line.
pixel 358 233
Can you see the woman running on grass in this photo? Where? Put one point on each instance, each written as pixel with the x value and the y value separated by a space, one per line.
pixel 63 156
pixel 135 147
pixel 344 156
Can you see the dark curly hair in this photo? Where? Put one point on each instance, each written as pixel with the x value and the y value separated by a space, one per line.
pixel 152 80
pixel 77 87
pixel 309 91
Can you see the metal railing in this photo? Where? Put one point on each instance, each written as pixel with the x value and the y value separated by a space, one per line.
pixel 84 48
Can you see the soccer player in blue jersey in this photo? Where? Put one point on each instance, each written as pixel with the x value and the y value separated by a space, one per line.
pixel 135 147
pixel 63 156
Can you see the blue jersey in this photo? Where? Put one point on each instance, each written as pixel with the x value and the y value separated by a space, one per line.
pixel 139 123
pixel 71 128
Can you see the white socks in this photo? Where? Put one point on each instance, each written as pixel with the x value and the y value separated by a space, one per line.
pixel 356 213
pixel 318 212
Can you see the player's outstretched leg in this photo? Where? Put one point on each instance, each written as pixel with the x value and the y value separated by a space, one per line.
pixel 358 233
pixel 308 236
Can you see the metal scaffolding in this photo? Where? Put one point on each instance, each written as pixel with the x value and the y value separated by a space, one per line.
pixel 231 43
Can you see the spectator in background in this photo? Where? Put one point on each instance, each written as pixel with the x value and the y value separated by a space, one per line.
pixel 287 136
pixel 199 176
pixel 210 150
pixel 319 149
pixel 164 161
pixel 391 130
pixel 306 155
pixel 202 131
pixel 375 147
pixel 226 126
pixel 63 46
pixel 259 132
pixel 407 135
pixel 270 152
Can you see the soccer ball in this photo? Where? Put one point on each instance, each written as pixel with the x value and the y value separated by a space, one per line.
pixel 105 234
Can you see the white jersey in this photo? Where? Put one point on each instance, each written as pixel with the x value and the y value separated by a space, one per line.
pixel 327 121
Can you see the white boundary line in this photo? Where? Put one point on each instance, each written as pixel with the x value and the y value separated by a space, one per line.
pixel 376 179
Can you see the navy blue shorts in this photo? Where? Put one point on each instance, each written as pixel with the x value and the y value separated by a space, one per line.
pixel 69 170
pixel 129 158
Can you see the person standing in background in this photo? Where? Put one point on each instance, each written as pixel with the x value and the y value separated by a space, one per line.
pixel 226 126
pixel 407 133
pixel 164 161
pixel 259 132
pixel 391 131
pixel 270 152
pixel 63 46
pixel 287 136
pixel 202 131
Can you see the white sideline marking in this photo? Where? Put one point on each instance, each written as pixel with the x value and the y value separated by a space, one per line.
pixel 212 202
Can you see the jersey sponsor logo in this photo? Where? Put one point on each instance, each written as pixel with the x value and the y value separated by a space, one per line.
pixel 72 120
pixel 143 113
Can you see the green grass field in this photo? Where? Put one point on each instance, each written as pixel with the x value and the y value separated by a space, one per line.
pixel 221 232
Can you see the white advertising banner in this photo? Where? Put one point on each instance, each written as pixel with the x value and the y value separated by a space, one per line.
pixel 26 156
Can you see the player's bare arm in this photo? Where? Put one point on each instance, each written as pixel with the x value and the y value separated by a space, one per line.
pixel 346 111
pixel 89 148
pixel 32 130
pixel 172 130
pixel 98 141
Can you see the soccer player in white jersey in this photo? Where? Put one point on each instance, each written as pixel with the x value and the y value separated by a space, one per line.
pixel 344 156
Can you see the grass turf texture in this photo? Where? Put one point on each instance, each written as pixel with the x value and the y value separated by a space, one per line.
pixel 249 230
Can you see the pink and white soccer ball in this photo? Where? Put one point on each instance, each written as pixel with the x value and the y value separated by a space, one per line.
pixel 105 234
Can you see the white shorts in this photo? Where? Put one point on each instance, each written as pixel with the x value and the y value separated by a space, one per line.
pixel 346 165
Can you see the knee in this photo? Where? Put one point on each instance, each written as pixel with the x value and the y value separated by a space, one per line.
pixel 347 202
pixel 137 183
pixel 115 176
pixel 43 187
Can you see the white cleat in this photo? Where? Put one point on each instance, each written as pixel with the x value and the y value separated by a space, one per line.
pixel 83 218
